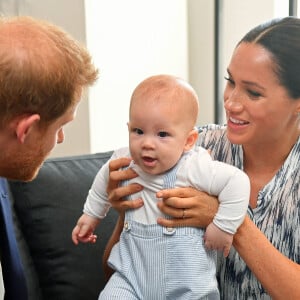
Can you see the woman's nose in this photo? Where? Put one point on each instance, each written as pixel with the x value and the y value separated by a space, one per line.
pixel 233 101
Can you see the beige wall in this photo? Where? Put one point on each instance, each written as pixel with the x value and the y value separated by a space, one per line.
pixel 139 39
pixel 201 55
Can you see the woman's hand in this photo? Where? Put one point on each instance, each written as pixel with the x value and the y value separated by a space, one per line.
pixel 116 193
pixel 187 207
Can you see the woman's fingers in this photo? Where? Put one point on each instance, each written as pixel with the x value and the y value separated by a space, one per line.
pixel 117 194
pixel 118 163
pixel 173 211
pixel 116 174
pixel 187 207
pixel 117 197
pixel 121 192
pixel 173 196
pixel 119 175
pixel 178 198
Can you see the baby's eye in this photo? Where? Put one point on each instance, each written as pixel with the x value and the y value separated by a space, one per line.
pixel 138 131
pixel 163 134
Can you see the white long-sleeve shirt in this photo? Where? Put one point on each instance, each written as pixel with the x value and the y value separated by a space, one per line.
pixel 196 169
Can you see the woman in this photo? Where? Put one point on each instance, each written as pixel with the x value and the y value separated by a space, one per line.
pixel 262 104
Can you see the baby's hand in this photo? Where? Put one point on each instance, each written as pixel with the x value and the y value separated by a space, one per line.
pixel 215 238
pixel 84 230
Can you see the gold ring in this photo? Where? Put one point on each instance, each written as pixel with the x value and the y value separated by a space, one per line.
pixel 183 213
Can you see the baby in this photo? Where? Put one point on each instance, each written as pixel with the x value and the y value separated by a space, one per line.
pixel 150 261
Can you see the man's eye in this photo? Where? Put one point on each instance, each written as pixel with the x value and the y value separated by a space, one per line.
pixel 163 134
pixel 138 131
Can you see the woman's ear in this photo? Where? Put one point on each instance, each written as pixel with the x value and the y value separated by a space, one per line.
pixel 24 125
pixel 191 140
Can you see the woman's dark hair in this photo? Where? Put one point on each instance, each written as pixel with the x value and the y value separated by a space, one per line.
pixel 281 37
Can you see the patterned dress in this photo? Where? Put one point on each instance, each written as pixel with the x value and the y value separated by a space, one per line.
pixel 277 214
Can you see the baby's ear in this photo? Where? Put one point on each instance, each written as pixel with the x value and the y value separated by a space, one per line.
pixel 191 140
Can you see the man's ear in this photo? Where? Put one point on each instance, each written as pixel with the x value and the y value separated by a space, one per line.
pixel 24 125
pixel 298 108
pixel 191 140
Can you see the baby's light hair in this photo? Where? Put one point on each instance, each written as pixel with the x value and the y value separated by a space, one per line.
pixel 179 91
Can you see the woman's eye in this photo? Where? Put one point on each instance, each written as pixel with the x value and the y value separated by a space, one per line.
pixel 254 94
pixel 163 134
pixel 229 80
pixel 138 131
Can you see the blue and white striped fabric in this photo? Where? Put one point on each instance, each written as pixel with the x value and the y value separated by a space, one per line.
pixel 158 263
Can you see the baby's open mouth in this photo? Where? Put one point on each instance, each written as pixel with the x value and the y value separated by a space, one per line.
pixel 149 161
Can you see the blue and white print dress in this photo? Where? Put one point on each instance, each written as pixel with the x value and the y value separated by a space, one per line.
pixel 277 214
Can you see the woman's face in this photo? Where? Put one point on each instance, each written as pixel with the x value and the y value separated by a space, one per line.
pixel 258 108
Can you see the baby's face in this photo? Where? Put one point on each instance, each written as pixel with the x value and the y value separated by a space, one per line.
pixel 157 135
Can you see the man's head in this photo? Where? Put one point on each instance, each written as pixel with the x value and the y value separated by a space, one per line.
pixel 42 69
pixel 43 73
pixel 162 116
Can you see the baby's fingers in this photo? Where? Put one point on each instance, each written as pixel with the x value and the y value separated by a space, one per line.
pixel 82 233
pixel 75 234
pixel 92 238
pixel 226 251
pixel 85 231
